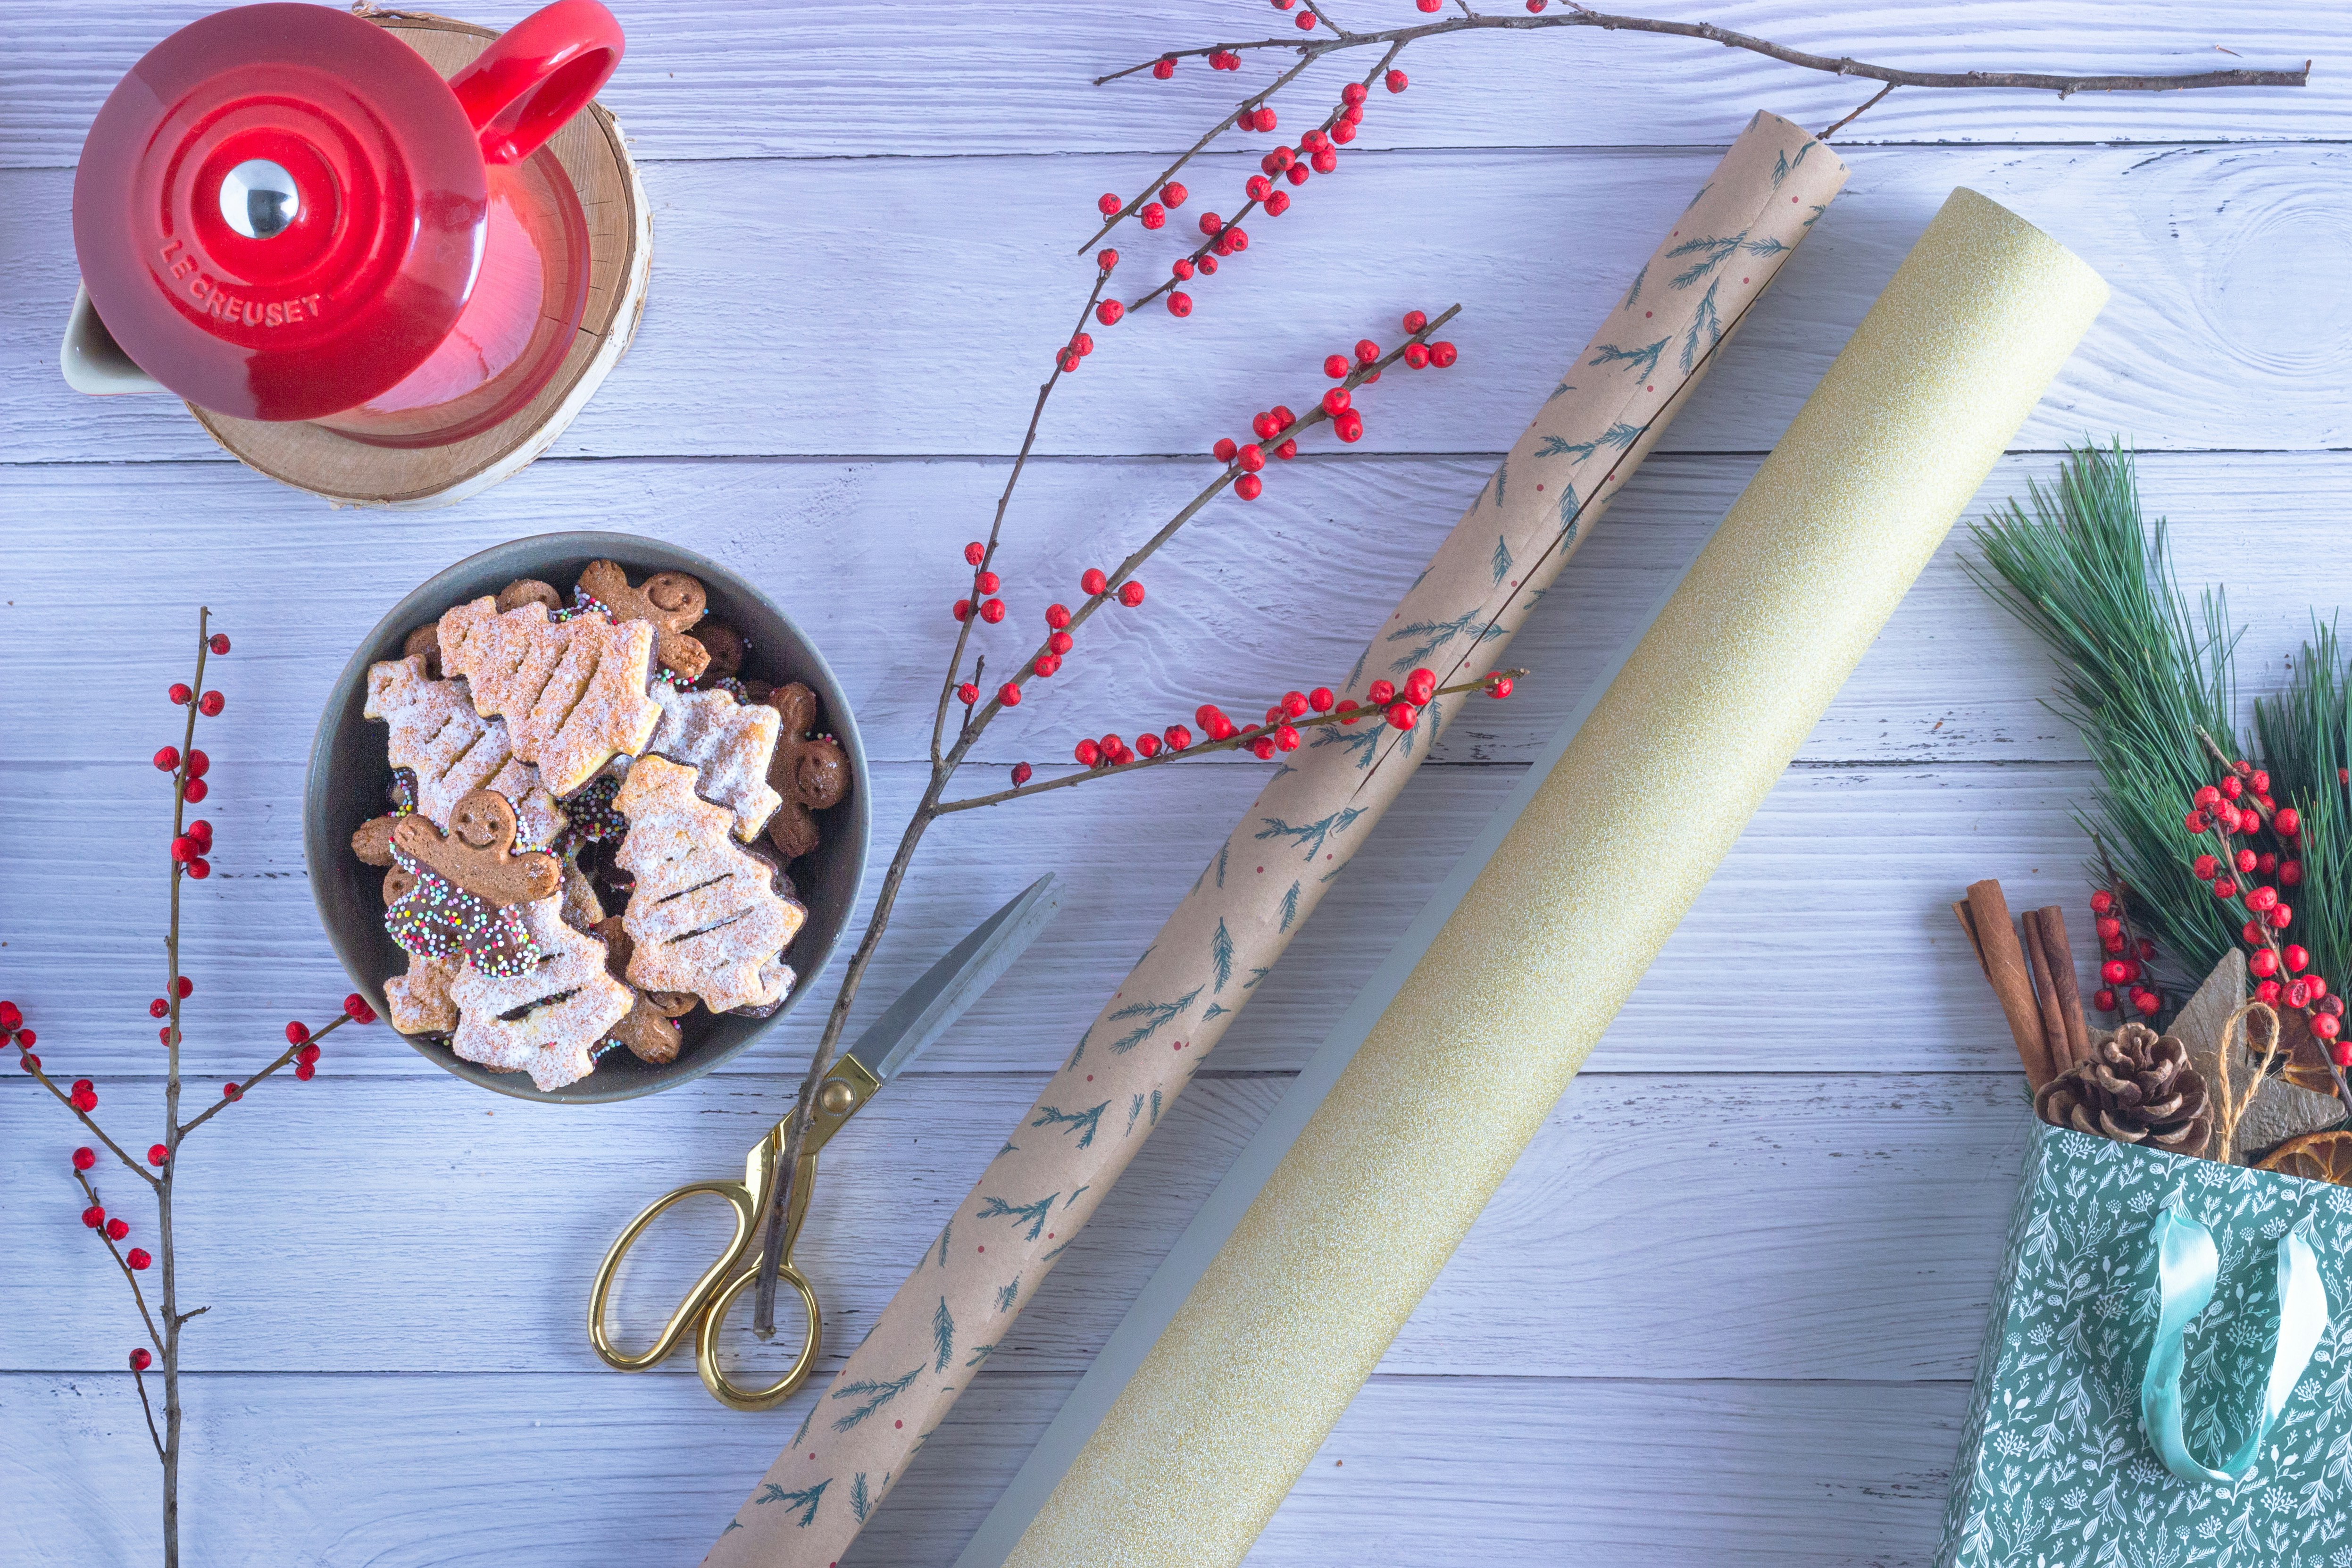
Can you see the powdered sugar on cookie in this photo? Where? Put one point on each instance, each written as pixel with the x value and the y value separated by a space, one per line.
pixel 703 914
pixel 728 743
pixel 572 693
pixel 546 1022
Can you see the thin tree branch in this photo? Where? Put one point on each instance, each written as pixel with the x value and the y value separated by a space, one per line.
pixel 155 1436
pixel 24 1058
pixel 287 1054
pixel 130 1276
pixel 1868 104
pixel 2037 81
pixel 963 632
pixel 1241 739
pixel 1125 569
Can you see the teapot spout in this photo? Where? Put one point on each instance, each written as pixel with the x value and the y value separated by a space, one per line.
pixel 92 362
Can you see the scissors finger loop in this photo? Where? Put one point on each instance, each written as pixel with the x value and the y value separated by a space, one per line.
pixel 697 1295
pixel 706 1345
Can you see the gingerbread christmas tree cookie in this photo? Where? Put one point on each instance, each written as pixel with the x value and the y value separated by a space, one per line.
pixel 418 1002
pixel 729 744
pixel 703 913
pixel 572 693
pixel 546 1021
pixel 450 750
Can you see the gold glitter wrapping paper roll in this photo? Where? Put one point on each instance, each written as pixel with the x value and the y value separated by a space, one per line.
pixel 1267 878
pixel 1575 896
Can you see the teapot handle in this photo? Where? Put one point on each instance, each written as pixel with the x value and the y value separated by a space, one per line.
pixel 540 72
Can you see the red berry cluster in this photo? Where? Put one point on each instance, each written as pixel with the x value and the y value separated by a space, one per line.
pixel 2125 956
pixel 1338 406
pixel 1094 582
pixel 2255 838
pixel 1400 706
pixel 1317 152
pixel 13 1032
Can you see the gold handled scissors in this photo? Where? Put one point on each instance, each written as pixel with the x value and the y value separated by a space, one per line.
pixel 909 1024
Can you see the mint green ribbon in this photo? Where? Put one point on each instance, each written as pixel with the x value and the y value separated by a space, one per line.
pixel 2186 1268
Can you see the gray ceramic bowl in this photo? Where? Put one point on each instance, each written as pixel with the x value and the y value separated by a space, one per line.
pixel 349 774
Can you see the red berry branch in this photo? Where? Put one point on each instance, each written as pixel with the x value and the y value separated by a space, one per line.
pixel 1317 152
pixel 188 851
pixel 1278 431
pixel 1570 15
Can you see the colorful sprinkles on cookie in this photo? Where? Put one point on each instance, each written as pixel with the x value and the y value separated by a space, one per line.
pixel 437 919
pixel 594 820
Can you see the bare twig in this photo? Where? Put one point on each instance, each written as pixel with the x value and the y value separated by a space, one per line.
pixel 25 1059
pixel 1868 104
pixel 2036 81
pixel 140 1377
pixel 129 1277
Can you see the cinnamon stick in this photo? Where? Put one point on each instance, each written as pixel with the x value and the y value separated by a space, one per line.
pixel 1968 924
pixel 2061 955
pixel 2004 966
pixel 2047 1008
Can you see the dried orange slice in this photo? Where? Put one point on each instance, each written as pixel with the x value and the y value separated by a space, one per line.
pixel 2315 1157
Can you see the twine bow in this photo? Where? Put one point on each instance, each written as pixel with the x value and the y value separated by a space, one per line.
pixel 2230 1107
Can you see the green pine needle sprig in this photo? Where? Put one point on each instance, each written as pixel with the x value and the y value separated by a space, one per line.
pixel 2305 735
pixel 2143 675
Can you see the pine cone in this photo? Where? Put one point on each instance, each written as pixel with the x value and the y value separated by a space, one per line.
pixel 2137 1087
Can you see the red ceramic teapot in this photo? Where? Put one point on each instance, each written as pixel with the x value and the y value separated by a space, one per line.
pixel 284 213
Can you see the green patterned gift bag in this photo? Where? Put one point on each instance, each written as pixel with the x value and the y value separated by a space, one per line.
pixel 2162 1385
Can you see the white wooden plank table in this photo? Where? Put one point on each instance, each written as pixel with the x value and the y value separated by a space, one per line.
pixel 1725 1309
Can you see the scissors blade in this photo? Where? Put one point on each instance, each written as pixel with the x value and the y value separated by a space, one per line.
pixel 923 1012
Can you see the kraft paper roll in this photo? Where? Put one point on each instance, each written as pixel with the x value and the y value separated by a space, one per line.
pixel 1255 894
pixel 1430 1092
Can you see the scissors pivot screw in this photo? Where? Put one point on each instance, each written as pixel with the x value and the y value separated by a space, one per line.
pixel 835 1097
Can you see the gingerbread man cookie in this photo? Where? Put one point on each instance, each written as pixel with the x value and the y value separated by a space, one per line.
pixel 478 852
pixel 425 643
pixel 572 693
pixel 530 591
pixel 371 841
pixel 545 1021
pixel 809 772
pixel 701 912
pixel 730 745
pixel 670 602
pixel 726 647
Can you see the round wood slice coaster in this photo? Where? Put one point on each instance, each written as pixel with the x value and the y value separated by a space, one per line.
pixel 620 250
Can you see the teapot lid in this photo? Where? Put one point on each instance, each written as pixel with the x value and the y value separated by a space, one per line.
pixel 278 212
